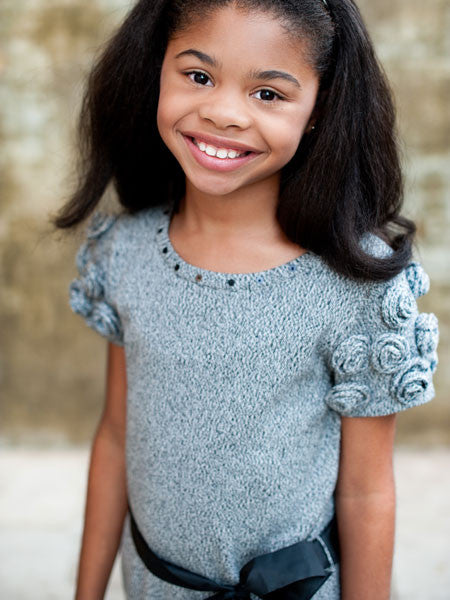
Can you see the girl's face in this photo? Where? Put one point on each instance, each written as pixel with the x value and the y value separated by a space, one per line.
pixel 234 82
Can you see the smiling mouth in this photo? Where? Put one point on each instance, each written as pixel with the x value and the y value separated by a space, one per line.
pixel 216 152
pixel 218 159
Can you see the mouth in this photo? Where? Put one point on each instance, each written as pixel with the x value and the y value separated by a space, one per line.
pixel 219 152
pixel 218 158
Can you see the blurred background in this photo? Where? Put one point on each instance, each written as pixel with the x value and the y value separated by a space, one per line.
pixel 52 366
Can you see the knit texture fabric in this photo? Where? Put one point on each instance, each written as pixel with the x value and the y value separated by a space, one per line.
pixel 236 387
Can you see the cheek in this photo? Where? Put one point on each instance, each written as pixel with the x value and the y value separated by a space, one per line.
pixel 288 130
pixel 161 119
pixel 170 108
pixel 164 114
pixel 287 136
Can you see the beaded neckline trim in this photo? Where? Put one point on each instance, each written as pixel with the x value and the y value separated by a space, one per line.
pixel 221 280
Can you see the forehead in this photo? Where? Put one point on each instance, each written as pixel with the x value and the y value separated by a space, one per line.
pixel 242 39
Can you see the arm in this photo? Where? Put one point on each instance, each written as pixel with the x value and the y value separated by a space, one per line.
pixel 106 502
pixel 365 506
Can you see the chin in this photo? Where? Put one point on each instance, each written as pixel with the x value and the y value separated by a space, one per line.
pixel 213 186
pixel 215 190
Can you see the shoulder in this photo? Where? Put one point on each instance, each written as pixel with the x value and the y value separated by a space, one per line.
pixel 108 254
pixel 121 224
pixel 121 229
pixel 342 294
pixel 396 297
pixel 411 282
pixel 112 241
pixel 375 245
pixel 374 308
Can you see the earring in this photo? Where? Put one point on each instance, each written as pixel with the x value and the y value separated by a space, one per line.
pixel 313 127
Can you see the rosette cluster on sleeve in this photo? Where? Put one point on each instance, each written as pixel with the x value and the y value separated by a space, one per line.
pixel 385 362
pixel 88 294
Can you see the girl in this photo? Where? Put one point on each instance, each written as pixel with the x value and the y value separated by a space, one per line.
pixel 259 298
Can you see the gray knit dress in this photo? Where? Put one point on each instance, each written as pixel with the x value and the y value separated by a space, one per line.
pixel 236 387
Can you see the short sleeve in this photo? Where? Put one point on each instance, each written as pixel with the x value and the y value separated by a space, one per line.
pixel 384 358
pixel 91 293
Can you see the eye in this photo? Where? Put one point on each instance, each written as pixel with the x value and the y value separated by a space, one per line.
pixel 269 96
pixel 201 78
pixel 198 77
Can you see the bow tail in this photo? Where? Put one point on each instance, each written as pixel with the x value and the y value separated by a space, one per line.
pixel 299 590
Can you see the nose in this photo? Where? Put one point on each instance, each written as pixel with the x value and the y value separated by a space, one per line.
pixel 224 108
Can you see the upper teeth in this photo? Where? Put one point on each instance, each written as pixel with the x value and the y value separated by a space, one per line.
pixel 219 152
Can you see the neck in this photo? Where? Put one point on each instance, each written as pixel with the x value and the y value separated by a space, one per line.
pixel 244 212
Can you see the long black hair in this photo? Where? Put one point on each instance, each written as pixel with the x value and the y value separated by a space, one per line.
pixel 345 179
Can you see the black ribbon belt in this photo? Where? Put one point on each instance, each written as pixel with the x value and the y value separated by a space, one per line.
pixel 295 572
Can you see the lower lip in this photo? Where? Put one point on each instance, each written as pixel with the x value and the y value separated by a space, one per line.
pixel 218 164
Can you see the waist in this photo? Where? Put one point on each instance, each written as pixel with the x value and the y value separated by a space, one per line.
pixel 296 571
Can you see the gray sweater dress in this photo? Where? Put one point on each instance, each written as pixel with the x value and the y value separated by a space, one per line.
pixel 236 387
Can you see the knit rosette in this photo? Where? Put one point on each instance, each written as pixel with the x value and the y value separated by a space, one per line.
pixel 78 299
pixel 397 307
pixel 418 280
pixel 86 299
pixel 99 224
pixel 411 384
pixel 93 281
pixel 390 353
pixel 352 355
pixel 344 397
pixel 83 256
pixel 105 320
pixel 433 358
pixel 87 292
pixel 427 333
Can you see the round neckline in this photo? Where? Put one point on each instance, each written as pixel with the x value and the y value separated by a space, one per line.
pixel 219 279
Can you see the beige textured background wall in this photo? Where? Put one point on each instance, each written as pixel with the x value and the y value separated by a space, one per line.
pixel 51 365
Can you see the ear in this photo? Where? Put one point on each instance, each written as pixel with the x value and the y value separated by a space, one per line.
pixel 311 125
pixel 317 111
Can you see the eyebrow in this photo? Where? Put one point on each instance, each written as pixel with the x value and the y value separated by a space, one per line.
pixel 265 75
